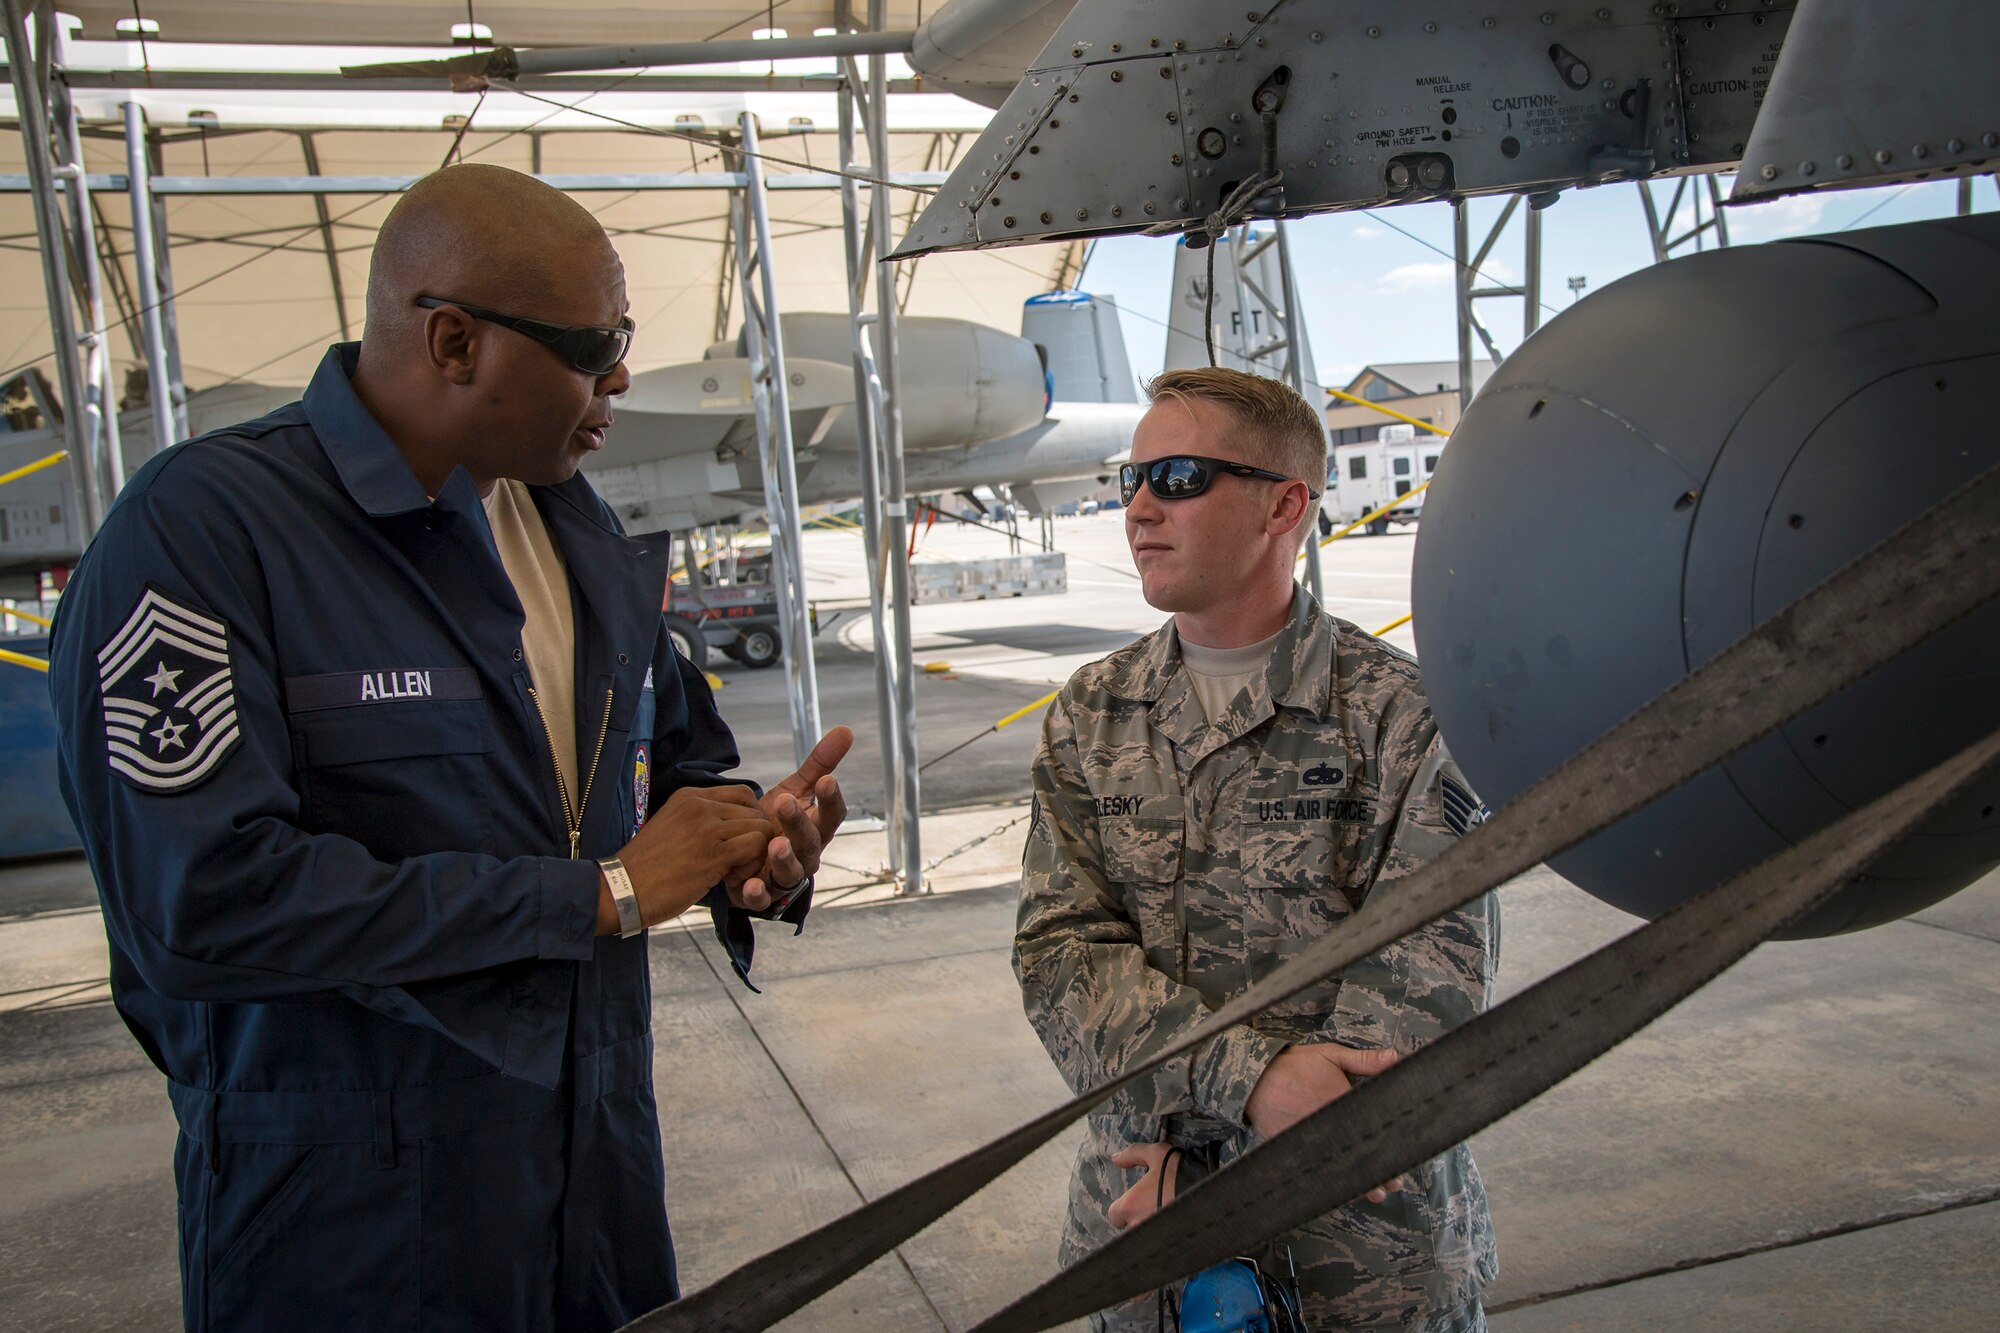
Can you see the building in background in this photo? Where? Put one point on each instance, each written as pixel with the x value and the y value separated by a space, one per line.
pixel 1426 390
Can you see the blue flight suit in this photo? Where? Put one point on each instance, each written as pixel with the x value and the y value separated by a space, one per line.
pixel 346 916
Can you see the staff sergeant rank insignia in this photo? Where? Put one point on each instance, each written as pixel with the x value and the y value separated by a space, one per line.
pixel 169 704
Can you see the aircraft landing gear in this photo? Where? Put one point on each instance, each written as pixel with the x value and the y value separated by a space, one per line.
pixel 688 641
pixel 757 647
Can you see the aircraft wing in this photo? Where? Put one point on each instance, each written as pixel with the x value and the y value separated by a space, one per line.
pixel 705 407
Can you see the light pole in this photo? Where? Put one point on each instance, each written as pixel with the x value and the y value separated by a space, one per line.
pixel 1576 286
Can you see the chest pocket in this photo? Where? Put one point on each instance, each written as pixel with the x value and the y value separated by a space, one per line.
pixel 401 779
pixel 1295 850
pixel 1147 844
pixel 1145 852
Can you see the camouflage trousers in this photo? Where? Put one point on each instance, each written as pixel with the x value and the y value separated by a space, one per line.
pixel 1416 1261
pixel 1143 1316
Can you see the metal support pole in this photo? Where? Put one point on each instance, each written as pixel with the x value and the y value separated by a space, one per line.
pixel 1660 227
pixel 895 495
pixel 159 396
pixel 867 441
pixel 1253 341
pixel 774 438
pixel 1653 231
pixel 310 152
pixel 100 422
pixel 1719 217
pixel 163 262
pixel 1296 363
pixel 30 95
pixel 1461 240
pixel 1531 295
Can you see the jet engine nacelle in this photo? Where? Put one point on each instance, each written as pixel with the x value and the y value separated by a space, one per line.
pixel 963 383
pixel 1668 464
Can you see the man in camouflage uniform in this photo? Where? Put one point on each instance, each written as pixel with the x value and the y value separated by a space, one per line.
pixel 1210 799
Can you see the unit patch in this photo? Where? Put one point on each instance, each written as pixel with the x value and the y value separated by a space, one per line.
pixel 169 703
pixel 642 783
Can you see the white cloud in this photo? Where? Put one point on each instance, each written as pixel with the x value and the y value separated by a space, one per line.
pixel 1340 376
pixel 1794 215
pixel 1363 232
pixel 1438 273
pixel 1416 277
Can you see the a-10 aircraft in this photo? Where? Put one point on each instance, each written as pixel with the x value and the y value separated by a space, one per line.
pixel 1045 419
pixel 979 410
pixel 1669 462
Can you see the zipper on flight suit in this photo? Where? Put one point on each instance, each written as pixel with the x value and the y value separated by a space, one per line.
pixel 573 814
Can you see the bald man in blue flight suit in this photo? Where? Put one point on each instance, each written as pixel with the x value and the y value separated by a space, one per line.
pixel 383 762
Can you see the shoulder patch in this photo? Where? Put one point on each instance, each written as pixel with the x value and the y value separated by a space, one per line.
pixel 1461 812
pixel 169 701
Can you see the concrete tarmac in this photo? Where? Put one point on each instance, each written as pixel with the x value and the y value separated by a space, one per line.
pixel 1809 1142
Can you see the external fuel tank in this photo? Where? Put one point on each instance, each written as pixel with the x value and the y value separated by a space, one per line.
pixel 1669 463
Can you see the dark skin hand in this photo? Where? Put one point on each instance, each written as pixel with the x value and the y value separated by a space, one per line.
pixel 700 836
pixel 808 808
pixel 709 835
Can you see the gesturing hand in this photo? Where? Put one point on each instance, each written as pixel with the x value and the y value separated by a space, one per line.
pixel 1304 1078
pixel 806 808
pixel 702 835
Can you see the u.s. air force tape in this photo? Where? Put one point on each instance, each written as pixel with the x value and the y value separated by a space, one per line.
pixel 1921 579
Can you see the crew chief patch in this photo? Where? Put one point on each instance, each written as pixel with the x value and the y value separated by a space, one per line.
pixel 169 702
pixel 642 783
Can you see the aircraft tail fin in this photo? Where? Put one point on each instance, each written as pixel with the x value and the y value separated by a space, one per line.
pixel 1245 325
pixel 1082 346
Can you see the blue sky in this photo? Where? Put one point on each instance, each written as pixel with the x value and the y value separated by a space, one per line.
pixel 1371 293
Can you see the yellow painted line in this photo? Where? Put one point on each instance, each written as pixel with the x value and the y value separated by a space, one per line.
pixel 26 615
pixel 1397 623
pixel 22 659
pixel 29 469
pixel 1386 411
pixel 1020 713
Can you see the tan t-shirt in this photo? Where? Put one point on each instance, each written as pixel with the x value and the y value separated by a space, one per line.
pixel 548 638
pixel 1218 675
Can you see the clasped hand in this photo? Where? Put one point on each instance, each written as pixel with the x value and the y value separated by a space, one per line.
pixel 758 848
pixel 1299 1081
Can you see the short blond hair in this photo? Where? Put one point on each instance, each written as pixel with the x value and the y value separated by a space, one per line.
pixel 1282 430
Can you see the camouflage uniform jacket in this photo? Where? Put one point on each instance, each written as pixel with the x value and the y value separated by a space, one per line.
pixel 1173 862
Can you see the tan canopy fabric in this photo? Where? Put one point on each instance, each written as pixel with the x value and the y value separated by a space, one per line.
pixel 429 22
pixel 264 281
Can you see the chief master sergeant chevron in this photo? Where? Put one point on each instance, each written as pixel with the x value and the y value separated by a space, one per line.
pixel 1209 799
pixel 383 763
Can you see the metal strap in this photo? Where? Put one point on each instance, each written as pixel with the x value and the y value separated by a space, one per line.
pixel 1480 1072
pixel 1920 580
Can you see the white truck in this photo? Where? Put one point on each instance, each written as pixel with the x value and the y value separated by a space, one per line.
pixel 1365 476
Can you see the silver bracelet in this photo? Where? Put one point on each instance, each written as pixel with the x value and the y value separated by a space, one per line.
pixel 623 897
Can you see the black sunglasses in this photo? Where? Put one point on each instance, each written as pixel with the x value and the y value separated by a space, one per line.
pixel 1183 476
pixel 590 348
